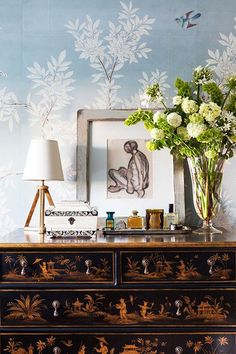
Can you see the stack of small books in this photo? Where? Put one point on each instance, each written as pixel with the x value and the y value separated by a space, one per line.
pixel 71 218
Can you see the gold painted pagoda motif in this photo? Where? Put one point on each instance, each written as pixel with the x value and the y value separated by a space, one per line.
pixel 180 267
pixel 119 308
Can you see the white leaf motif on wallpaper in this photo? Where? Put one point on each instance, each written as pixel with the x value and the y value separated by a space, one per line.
pixel 3 74
pixel 6 174
pixel 52 86
pixel 108 54
pixel 224 62
pixel 6 222
pixel 8 108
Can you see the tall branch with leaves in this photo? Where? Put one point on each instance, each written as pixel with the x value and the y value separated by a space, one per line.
pixel 108 55
pixel 52 86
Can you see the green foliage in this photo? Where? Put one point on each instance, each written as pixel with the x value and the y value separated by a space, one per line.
pixel 231 83
pixel 153 145
pixel 211 136
pixel 214 92
pixel 231 104
pixel 163 124
pixel 140 116
pixel 183 87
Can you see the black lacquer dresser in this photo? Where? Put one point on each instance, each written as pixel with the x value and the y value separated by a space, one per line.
pixel 163 294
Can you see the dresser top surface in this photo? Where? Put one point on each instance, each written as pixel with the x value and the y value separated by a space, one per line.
pixel 19 238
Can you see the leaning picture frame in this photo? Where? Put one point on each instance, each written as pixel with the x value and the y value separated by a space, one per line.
pixel 94 128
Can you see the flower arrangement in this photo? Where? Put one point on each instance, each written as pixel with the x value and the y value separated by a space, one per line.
pixel 201 121
pixel 200 126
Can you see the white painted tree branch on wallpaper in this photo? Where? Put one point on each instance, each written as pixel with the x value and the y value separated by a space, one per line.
pixel 108 54
pixel 8 108
pixel 115 52
pixel 51 87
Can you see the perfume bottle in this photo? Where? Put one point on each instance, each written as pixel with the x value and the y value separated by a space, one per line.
pixel 134 221
pixel 110 222
pixel 171 217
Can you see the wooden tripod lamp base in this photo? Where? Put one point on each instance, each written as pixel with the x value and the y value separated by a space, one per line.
pixel 43 163
pixel 42 191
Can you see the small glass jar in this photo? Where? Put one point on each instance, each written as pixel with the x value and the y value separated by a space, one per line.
pixel 110 222
pixel 154 218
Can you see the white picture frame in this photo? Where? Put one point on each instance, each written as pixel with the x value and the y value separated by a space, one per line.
pixel 93 128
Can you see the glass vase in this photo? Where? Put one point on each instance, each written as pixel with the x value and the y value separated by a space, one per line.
pixel 206 176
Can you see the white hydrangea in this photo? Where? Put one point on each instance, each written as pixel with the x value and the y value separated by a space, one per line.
pixel 210 111
pixel 174 119
pixel 195 129
pixel 157 134
pixel 158 115
pixel 189 106
pixel 177 100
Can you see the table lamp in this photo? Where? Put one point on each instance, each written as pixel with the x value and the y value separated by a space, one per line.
pixel 43 163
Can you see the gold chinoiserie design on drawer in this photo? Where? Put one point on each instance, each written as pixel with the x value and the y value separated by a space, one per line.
pixel 136 343
pixel 121 307
pixel 77 267
pixel 196 266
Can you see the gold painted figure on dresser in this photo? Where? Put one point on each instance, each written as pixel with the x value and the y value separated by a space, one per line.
pixel 140 296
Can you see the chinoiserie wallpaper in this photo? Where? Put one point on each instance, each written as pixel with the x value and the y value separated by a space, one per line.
pixel 58 56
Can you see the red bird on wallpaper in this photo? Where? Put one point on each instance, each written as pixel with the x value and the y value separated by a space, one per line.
pixel 185 21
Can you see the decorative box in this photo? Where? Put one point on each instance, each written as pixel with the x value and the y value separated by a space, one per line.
pixel 71 219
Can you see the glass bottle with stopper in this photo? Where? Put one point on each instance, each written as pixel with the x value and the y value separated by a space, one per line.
pixel 135 221
pixel 110 222
pixel 171 217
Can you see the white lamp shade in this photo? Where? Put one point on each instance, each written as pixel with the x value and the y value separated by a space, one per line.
pixel 43 161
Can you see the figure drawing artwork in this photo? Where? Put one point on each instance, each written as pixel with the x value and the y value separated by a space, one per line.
pixel 129 169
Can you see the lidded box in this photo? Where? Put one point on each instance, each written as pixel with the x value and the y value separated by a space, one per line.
pixel 74 215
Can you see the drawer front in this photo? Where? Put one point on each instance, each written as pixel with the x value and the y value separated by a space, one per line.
pixel 118 308
pixel 180 266
pixel 138 343
pixel 71 267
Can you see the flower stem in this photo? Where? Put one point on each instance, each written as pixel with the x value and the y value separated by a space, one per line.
pixel 225 99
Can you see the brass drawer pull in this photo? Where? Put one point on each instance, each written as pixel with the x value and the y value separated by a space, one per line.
pixel 56 350
pixel 179 350
pixel 88 264
pixel 145 263
pixel 23 263
pixel 56 304
pixel 211 264
pixel 178 304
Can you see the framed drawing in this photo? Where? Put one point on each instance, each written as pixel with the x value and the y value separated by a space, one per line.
pixel 116 172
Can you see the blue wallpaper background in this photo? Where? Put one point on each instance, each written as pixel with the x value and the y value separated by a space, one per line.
pixel 112 51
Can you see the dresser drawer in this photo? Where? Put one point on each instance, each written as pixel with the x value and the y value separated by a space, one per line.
pixel 177 266
pixel 57 267
pixel 137 343
pixel 133 308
